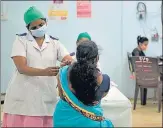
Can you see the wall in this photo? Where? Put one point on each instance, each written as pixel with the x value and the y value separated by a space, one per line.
pixel 113 26
pixel 131 29
pixel 103 28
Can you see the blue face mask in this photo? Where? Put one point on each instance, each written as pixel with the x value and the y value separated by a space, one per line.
pixel 39 32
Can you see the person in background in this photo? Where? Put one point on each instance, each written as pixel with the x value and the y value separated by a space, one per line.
pixel 31 94
pixel 84 37
pixel 142 46
pixel 139 51
pixel 81 89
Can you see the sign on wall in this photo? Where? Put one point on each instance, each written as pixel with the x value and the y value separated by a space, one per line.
pixel 58 10
pixel 84 9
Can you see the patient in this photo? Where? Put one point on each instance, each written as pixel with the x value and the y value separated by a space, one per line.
pixel 81 88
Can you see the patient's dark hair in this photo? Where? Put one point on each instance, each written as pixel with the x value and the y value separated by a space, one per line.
pixel 141 39
pixel 83 73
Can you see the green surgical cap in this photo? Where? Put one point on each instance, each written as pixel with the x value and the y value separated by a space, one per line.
pixel 32 14
pixel 83 35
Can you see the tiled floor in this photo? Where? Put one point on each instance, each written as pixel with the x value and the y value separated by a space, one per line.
pixel 143 116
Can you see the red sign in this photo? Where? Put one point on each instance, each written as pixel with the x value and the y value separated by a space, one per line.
pixel 58 1
pixel 83 9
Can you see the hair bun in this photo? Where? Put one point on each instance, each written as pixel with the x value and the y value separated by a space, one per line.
pixel 138 38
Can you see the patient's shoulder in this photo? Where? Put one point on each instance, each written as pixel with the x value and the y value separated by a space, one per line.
pixel 135 52
pixel 135 49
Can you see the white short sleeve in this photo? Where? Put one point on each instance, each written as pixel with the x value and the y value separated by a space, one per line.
pixel 19 48
pixel 62 51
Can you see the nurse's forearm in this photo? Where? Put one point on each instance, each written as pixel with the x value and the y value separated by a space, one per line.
pixel 21 64
pixel 29 71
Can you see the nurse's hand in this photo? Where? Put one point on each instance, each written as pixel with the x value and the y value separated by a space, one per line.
pixel 51 71
pixel 66 62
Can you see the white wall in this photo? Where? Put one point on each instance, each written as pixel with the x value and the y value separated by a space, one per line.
pixel 113 26
pixel 131 29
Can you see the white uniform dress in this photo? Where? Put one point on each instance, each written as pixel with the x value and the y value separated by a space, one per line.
pixel 34 95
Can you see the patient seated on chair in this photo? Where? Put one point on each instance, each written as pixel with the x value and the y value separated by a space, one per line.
pixel 81 88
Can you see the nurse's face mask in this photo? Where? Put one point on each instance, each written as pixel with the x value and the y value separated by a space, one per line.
pixel 38 28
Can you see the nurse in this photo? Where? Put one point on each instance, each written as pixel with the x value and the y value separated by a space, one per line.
pixel 84 36
pixel 31 94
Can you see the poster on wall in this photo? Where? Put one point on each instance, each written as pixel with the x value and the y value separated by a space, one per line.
pixel 58 10
pixel 84 9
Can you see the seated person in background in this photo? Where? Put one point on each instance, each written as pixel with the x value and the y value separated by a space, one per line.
pixel 81 89
pixel 142 46
pixel 84 37
pixel 139 51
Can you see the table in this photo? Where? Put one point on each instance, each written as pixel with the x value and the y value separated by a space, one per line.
pixel 117 108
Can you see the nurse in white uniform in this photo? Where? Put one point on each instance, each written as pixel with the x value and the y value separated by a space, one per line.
pixel 31 95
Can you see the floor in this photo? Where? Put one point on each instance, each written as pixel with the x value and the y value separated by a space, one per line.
pixel 147 116
pixel 143 116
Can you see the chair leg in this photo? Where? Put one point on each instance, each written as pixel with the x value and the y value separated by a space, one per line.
pixel 155 93
pixel 136 96
pixel 159 98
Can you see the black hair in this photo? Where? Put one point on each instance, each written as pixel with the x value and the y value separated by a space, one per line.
pixel 83 73
pixel 41 19
pixel 141 39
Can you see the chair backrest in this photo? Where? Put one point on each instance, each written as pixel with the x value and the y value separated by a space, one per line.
pixel 129 55
pixel 146 71
pixel 161 58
